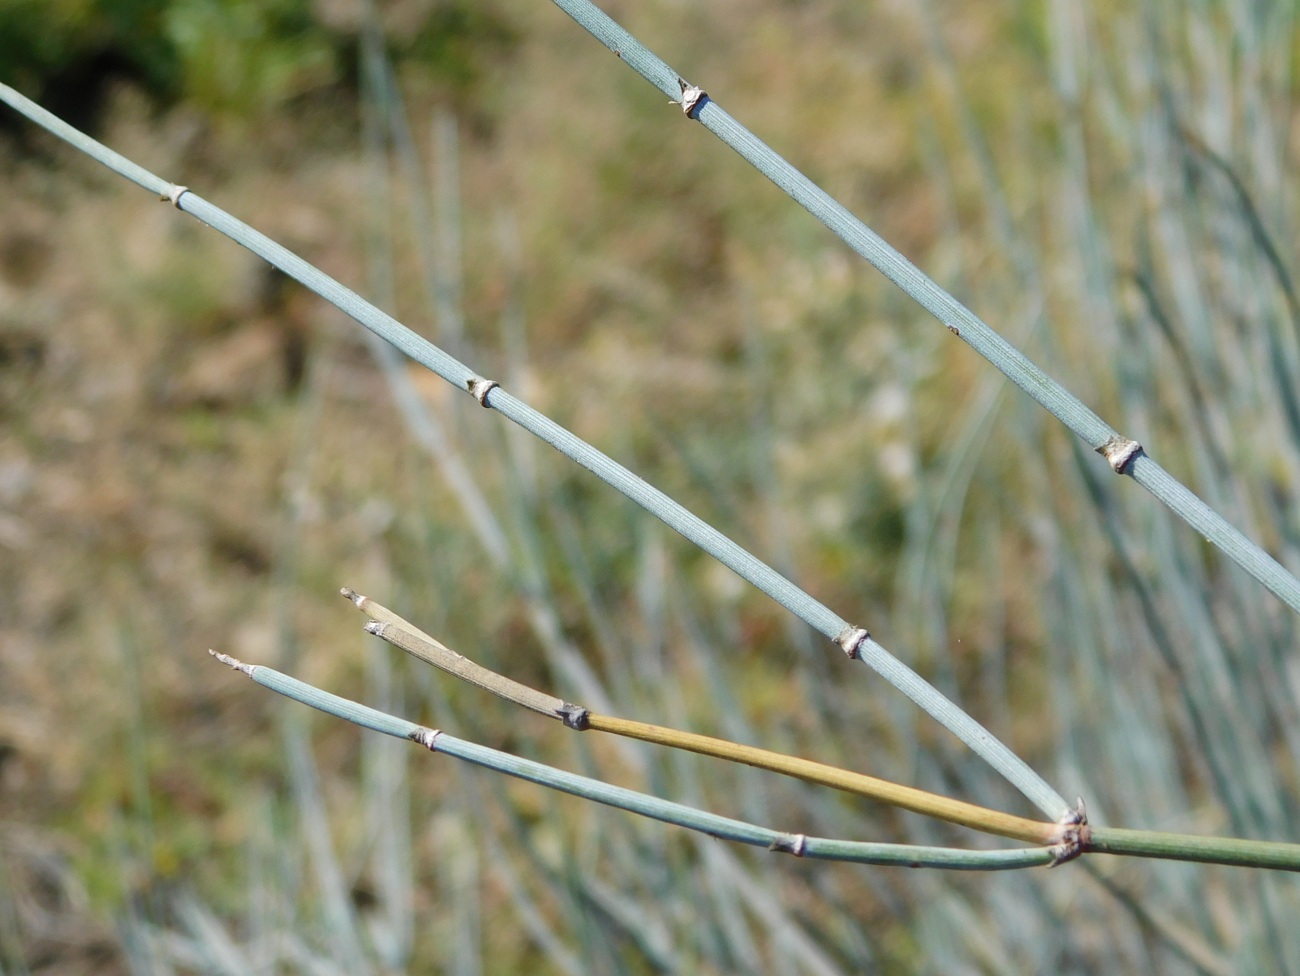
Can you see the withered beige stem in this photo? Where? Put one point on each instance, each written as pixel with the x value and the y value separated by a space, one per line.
pixel 406 636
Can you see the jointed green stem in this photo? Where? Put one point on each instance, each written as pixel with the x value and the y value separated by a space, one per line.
pixel 1191 847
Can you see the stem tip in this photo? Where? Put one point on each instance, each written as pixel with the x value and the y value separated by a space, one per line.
pixel 231 662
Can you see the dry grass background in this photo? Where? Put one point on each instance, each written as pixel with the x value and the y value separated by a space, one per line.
pixel 195 453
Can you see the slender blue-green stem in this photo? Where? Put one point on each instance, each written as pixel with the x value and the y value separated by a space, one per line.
pixel 857 642
pixel 901 855
pixel 960 320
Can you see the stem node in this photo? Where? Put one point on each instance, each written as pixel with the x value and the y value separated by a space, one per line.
pixel 1120 451
pixel 851 641
pixel 1074 835
pixel 693 96
pixel 480 388
pixel 795 844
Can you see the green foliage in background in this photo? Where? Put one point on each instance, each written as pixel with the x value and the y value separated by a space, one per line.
pixel 248 56
pixel 44 40
pixel 230 58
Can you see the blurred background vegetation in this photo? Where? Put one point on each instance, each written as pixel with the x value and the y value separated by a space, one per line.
pixel 196 453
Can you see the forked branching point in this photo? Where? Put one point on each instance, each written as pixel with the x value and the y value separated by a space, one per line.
pixel 725 828
pixel 1068 838
pixel 1071 837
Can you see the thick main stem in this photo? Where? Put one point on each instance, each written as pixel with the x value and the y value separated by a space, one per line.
pixel 1235 851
